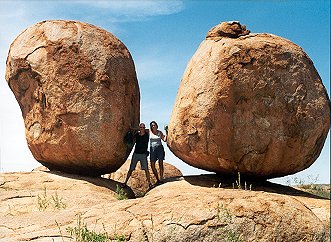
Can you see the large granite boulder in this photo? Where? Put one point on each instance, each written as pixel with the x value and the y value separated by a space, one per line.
pixel 249 103
pixel 77 88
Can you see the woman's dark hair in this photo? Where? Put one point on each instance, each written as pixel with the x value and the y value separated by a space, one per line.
pixel 153 122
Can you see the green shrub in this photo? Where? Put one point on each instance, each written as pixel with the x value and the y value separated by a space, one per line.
pixel 57 202
pixel 120 193
pixel 82 234
pixel 43 201
pixel 309 184
pixel 225 217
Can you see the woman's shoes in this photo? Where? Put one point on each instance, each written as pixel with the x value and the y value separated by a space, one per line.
pixel 159 182
pixel 150 185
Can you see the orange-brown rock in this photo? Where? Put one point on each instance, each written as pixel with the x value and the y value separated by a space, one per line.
pixel 78 92
pixel 44 206
pixel 252 103
pixel 138 182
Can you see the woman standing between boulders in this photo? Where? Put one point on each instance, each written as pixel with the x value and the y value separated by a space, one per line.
pixel 156 149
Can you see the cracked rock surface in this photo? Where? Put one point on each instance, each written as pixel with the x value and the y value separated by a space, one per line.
pixel 78 92
pixel 193 208
pixel 249 103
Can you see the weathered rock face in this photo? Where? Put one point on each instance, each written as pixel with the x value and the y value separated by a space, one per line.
pixel 252 103
pixel 77 88
pixel 187 209
pixel 138 182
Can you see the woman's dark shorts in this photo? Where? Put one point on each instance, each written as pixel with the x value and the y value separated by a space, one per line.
pixel 157 153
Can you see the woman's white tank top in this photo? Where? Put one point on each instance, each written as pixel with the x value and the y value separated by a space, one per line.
pixel 155 140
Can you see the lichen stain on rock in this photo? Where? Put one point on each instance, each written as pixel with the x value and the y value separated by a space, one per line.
pixel 35 130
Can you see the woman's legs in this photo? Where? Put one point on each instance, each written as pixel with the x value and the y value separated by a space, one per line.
pixel 148 177
pixel 161 169
pixel 154 170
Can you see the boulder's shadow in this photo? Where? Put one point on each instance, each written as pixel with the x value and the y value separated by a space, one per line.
pixel 98 181
pixel 205 180
pixel 248 183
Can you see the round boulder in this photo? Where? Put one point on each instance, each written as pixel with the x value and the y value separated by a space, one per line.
pixel 249 103
pixel 78 92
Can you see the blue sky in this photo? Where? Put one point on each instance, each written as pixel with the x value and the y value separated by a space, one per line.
pixel 162 36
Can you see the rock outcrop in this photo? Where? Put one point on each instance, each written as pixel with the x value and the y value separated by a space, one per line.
pixel 78 92
pixel 249 103
pixel 44 207
pixel 138 182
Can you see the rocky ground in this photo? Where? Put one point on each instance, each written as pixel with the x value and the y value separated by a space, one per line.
pixel 47 206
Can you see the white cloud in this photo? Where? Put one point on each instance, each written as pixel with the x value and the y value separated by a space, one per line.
pixel 150 70
pixel 12 14
pixel 106 11
pixel 157 63
pixel 134 10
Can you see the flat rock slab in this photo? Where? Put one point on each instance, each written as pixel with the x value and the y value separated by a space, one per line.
pixel 195 208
